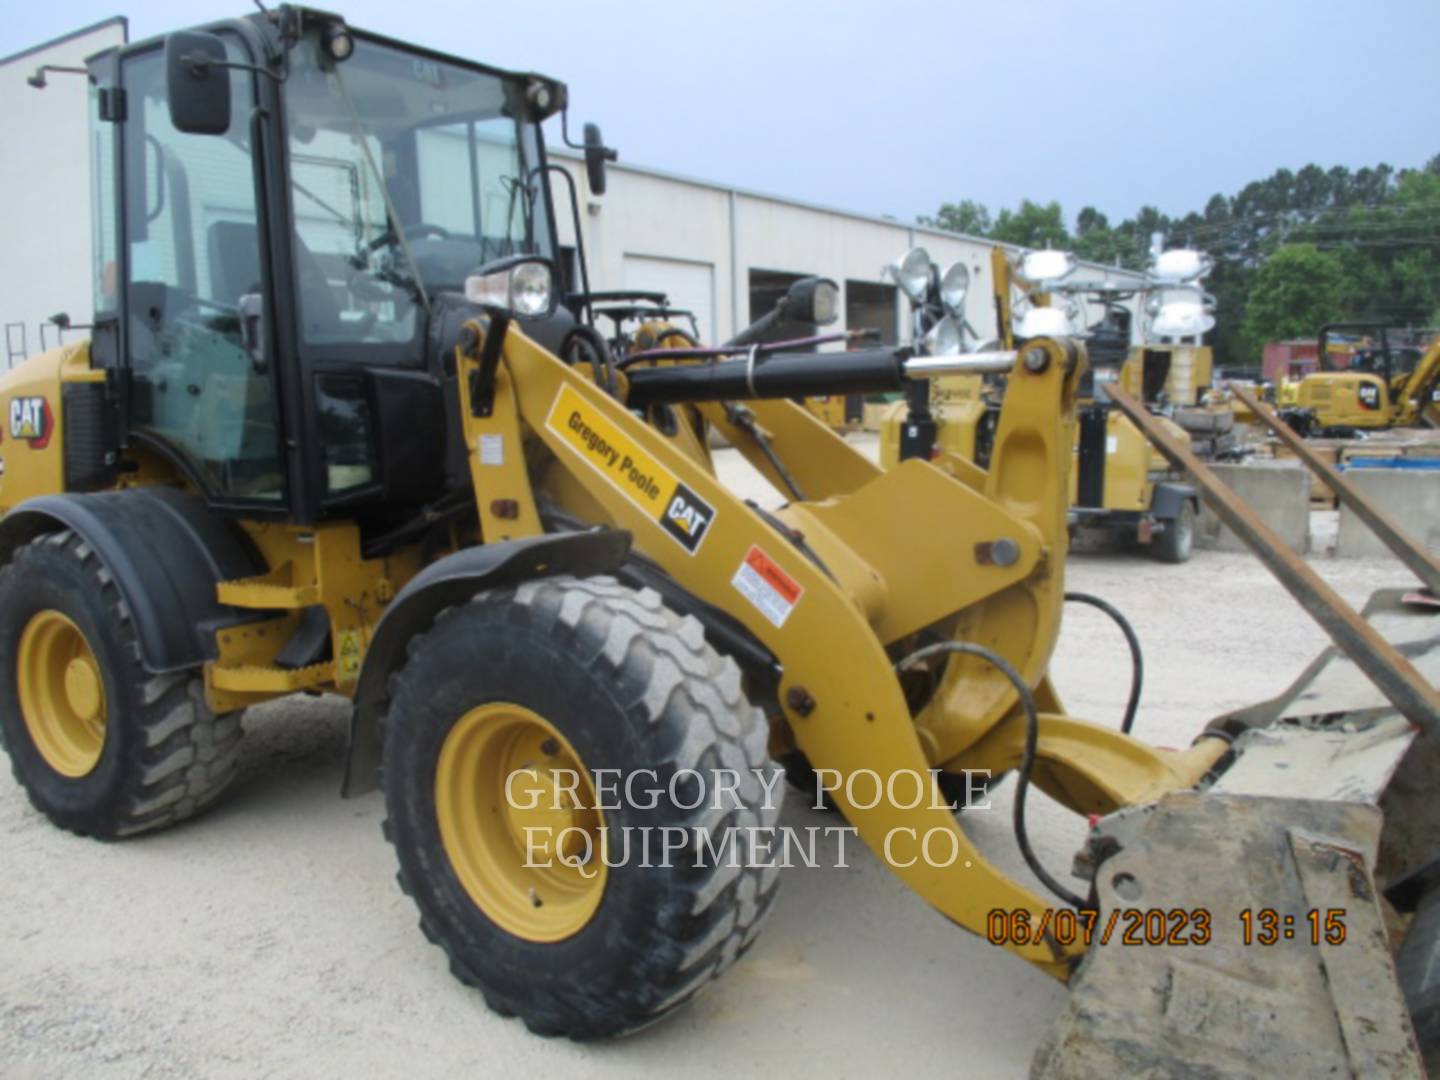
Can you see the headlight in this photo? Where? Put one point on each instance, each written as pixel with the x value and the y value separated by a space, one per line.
pixel 953 286
pixel 944 338
pixel 912 273
pixel 813 300
pixel 1043 322
pixel 827 302
pixel 523 286
pixel 1038 266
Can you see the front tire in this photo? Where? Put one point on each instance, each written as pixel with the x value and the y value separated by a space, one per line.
pixel 102 747
pixel 562 676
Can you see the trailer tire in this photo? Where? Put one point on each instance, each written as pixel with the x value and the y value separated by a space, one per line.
pixel 591 675
pixel 1177 542
pixel 102 747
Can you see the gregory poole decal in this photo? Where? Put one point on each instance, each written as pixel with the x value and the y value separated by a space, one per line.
pixel 684 515
pixel 31 421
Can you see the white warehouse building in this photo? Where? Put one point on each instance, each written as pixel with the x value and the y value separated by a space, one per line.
pixel 722 252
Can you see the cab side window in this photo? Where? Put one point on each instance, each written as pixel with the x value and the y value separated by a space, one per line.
pixel 193 236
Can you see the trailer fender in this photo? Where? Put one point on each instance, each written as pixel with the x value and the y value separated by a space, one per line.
pixel 166 551
pixel 1170 499
pixel 453 580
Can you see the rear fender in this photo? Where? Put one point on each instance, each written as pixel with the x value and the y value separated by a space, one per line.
pixel 165 549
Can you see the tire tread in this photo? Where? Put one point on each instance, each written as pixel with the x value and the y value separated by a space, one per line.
pixel 681 685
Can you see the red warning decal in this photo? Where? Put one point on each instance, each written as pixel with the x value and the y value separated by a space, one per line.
pixel 769 588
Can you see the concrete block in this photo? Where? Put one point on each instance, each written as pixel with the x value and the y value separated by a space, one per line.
pixel 1411 497
pixel 1279 494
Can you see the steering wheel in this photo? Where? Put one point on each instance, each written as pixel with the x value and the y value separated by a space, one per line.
pixel 422 228
pixel 412 232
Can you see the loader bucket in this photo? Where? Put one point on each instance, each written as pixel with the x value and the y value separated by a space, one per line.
pixel 1250 927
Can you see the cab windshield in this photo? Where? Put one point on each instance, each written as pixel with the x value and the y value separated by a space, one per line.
pixel 407 173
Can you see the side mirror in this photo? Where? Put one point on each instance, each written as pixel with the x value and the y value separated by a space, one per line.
pixel 197 83
pixel 596 155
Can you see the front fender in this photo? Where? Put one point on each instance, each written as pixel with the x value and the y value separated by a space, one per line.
pixel 453 580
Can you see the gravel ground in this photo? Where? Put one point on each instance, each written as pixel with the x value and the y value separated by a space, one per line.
pixel 269 938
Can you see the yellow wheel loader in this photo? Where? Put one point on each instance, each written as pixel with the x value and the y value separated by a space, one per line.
pixel 1384 386
pixel 322 439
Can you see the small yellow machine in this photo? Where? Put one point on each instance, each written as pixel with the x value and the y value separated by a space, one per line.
pixel 326 437
pixel 1384 386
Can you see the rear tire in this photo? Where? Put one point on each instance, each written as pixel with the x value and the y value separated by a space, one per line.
pixel 1178 540
pixel 620 683
pixel 149 754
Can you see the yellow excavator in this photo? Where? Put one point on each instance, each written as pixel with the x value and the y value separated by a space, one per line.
pixel 325 437
pixel 1385 385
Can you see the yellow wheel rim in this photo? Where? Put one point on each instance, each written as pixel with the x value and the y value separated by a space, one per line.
pixel 62 694
pixel 519 823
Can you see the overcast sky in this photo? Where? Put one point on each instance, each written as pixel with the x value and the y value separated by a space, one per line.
pixel 894 107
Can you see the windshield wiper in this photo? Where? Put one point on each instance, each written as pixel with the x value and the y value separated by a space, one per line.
pixel 303 190
pixel 514 185
pixel 395 227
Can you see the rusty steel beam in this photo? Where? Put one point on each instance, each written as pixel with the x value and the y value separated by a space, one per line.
pixel 1406 549
pixel 1392 674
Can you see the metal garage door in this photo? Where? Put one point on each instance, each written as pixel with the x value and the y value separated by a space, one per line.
pixel 688 284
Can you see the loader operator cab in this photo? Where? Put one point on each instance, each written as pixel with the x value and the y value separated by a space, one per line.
pixel 287 212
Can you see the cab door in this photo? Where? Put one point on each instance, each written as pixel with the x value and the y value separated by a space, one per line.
pixel 194 267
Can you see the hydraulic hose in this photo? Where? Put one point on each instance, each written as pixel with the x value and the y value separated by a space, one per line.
pixel 1137 661
pixel 1027 761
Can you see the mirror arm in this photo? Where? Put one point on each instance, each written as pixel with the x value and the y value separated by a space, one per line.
pixel 609 153
pixel 201 64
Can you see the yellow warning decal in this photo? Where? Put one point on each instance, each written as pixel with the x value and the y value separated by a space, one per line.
pixel 350 652
pixel 683 515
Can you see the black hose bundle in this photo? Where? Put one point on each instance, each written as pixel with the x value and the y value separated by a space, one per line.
pixel 1027 761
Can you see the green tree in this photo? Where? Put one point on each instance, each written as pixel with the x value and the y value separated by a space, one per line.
pixel 1032 225
pixel 1094 239
pixel 1299 289
pixel 1090 220
pixel 1380 224
pixel 966 216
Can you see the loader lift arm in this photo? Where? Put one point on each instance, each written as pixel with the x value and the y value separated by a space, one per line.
pixel 851 718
